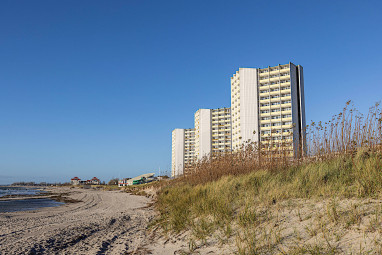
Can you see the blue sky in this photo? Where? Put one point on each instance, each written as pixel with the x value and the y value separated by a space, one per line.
pixel 94 88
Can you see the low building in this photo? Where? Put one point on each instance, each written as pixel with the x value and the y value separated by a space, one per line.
pixel 78 181
pixel 123 182
pixel 144 178
pixel 94 181
pixel 75 181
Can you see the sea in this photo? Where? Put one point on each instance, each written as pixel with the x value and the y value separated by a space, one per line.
pixel 23 204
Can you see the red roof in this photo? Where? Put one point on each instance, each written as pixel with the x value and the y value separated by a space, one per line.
pixel 76 178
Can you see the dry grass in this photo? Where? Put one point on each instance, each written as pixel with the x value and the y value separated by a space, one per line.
pixel 234 196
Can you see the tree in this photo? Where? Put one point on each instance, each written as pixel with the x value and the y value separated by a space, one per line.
pixel 113 181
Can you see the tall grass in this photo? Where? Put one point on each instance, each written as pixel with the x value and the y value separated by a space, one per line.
pixel 344 134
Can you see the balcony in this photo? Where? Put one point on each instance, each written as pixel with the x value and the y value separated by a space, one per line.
pixel 275 107
pixel 287 119
pixel 274 79
pixel 286 98
pixel 285 88
pixel 275 71
pixel 275 98
pixel 274 86
pixel 287 126
pixel 286 112
pixel 284 70
pixel 275 92
pixel 275 113
pixel 264 107
pixel 284 83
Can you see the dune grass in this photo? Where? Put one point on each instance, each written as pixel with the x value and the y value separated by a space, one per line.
pixel 343 176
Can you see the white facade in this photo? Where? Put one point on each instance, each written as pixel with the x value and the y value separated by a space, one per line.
pixel 177 152
pixel 203 133
pixel 244 106
pixel 183 150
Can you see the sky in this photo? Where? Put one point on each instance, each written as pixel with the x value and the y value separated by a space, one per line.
pixel 94 88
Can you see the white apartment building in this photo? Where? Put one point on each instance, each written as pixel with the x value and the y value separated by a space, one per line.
pixel 267 107
pixel 212 132
pixel 268 104
pixel 183 148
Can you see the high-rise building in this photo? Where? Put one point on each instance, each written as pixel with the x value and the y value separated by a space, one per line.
pixel 212 132
pixel 267 107
pixel 267 104
pixel 183 142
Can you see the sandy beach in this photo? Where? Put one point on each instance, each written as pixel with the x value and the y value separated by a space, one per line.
pixel 102 222
pixel 115 222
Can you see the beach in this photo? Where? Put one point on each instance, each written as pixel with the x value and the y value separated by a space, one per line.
pixel 91 222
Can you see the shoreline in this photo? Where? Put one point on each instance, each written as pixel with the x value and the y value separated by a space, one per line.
pixel 58 197
pixel 99 222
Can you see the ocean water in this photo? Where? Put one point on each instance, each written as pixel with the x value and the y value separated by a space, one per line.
pixel 23 204
pixel 6 190
pixel 27 204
